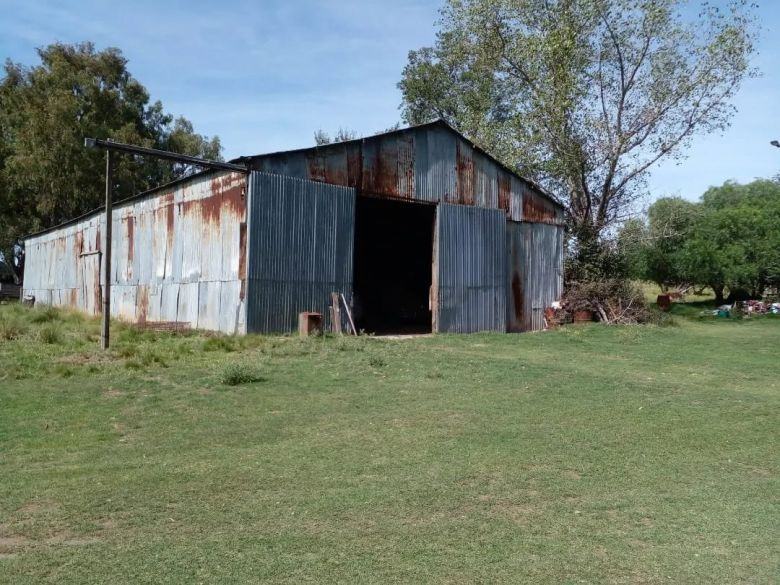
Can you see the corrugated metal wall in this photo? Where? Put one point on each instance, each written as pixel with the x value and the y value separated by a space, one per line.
pixel 178 255
pixel 470 273
pixel 535 273
pixel 430 163
pixel 301 238
pixel 62 267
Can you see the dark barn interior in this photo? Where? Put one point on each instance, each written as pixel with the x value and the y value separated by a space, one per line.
pixel 393 271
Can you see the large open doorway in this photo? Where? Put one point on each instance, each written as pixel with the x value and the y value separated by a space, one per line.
pixel 393 254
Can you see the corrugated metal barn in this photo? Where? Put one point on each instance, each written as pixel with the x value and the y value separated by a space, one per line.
pixel 420 229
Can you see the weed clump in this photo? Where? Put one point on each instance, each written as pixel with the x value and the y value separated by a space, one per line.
pixel 45 314
pixel 226 344
pixel 12 329
pixel 237 374
pixel 50 334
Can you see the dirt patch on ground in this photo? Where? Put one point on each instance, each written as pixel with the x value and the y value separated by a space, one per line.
pixel 68 538
pixel 571 474
pixel 85 359
pixel 37 507
pixel 10 545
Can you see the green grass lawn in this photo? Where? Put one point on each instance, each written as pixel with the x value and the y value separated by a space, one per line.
pixel 588 455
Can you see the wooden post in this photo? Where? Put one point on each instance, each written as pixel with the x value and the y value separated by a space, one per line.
pixel 104 332
pixel 335 312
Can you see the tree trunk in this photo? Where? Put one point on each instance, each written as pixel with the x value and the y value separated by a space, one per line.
pixel 718 290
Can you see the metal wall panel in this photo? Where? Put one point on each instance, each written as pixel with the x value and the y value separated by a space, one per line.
pixel 470 273
pixel 301 237
pixel 431 163
pixel 535 273
pixel 176 252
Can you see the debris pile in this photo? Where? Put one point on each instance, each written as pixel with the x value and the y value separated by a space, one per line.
pixel 613 301
pixel 741 309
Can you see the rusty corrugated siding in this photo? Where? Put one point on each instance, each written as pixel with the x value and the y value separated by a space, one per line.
pixel 177 257
pixel 301 238
pixel 535 273
pixel 471 265
pixel 431 163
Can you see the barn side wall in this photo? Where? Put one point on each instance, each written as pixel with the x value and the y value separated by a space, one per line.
pixel 179 255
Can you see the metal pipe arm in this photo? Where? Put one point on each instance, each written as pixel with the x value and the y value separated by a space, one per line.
pixel 164 154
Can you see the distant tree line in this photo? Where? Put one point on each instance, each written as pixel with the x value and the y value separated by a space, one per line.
pixel 46 110
pixel 728 241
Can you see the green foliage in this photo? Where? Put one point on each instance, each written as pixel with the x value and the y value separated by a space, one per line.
pixel 736 241
pixel 237 374
pixel 50 334
pixel 584 97
pixel 46 110
pixel 671 222
pixel 728 240
pixel 631 244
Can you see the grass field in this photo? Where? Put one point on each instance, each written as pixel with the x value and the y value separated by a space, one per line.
pixel 588 455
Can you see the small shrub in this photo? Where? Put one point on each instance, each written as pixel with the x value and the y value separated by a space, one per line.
pixel 149 357
pixel 50 334
pixel 12 329
pixel 237 374
pixel 126 351
pixel 226 344
pixel 63 370
pixel 133 365
pixel 377 361
pixel 45 314
pixel 660 318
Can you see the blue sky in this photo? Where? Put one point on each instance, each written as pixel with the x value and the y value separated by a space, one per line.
pixel 265 75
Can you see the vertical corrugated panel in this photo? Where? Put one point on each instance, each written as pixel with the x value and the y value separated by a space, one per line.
pixel 535 273
pixel 471 269
pixel 177 256
pixel 301 236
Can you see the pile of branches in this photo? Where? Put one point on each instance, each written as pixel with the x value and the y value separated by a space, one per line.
pixel 615 301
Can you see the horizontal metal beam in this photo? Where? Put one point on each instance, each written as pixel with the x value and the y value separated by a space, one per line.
pixel 164 154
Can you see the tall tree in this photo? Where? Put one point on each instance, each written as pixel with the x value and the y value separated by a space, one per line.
pixel 46 174
pixel 671 222
pixel 735 240
pixel 584 96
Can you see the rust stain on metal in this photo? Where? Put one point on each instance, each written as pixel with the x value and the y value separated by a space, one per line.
pixel 242 258
pixel 130 241
pixel 73 301
pixel 537 209
pixel 315 163
pixel 79 247
pixel 464 167
pixel 386 175
pixel 504 191
pixel 355 167
pixel 334 168
pixel 142 303
pixel 98 239
pixel 227 195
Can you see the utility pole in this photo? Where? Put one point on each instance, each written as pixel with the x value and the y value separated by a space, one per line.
pixel 104 330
